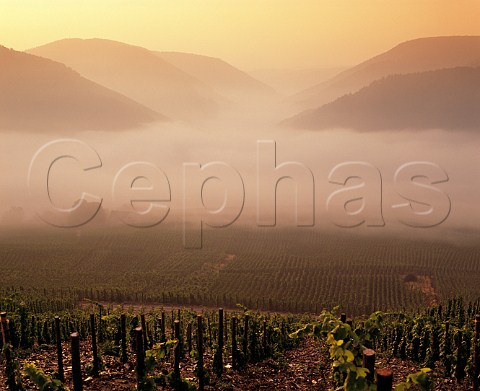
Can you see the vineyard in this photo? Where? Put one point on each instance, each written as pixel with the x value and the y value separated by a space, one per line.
pixel 283 270
pixel 95 347
pixel 124 309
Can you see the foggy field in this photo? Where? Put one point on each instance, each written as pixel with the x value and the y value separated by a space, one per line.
pixel 299 270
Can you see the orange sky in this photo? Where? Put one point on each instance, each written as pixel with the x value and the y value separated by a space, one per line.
pixel 251 34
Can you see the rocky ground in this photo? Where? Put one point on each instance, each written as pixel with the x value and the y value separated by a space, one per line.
pixel 303 368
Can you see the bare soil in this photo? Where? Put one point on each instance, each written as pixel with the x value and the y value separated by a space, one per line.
pixel 303 368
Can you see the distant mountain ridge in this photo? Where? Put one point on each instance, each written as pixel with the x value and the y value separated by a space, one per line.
pixel 38 94
pixel 447 99
pixel 88 84
pixel 418 55
pixel 137 73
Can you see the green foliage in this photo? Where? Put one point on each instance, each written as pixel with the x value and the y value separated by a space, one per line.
pixel 159 352
pixel 421 379
pixel 101 365
pixel 13 379
pixel 149 383
pixel 345 347
pixel 109 348
pixel 152 358
pixel 356 380
pixel 40 379
pixel 179 384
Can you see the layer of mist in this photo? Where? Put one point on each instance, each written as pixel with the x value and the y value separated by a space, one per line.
pixel 239 115
pixel 168 146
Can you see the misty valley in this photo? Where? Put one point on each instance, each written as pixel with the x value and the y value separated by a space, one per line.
pixel 172 221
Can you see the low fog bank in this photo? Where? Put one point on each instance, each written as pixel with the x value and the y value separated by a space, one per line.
pixel 234 142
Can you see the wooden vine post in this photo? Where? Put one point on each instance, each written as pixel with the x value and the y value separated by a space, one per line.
pixel 176 366
pixel 220 332
pixel 140 367
pixel 245 337
pixel 123 331
pixel 9 371
pixel 476 354
pixel 384 379
pixel 76 363
pixel 234 343
pixel 369 363
pixel 144 331
pixel 189 337
pixel 264 338
pixel 95 369
pixel 5 329
pixel 163 336
pixel 200 374
pixel 226 328
pixel 458 369
pixel 58 338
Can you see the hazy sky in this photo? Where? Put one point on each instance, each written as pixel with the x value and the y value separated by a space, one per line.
pixel 251 34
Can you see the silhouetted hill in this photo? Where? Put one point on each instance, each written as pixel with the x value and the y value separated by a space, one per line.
pixel 38 94
pixel 137 73
pixel 447 99
pixel 418 55
pixel 224 78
